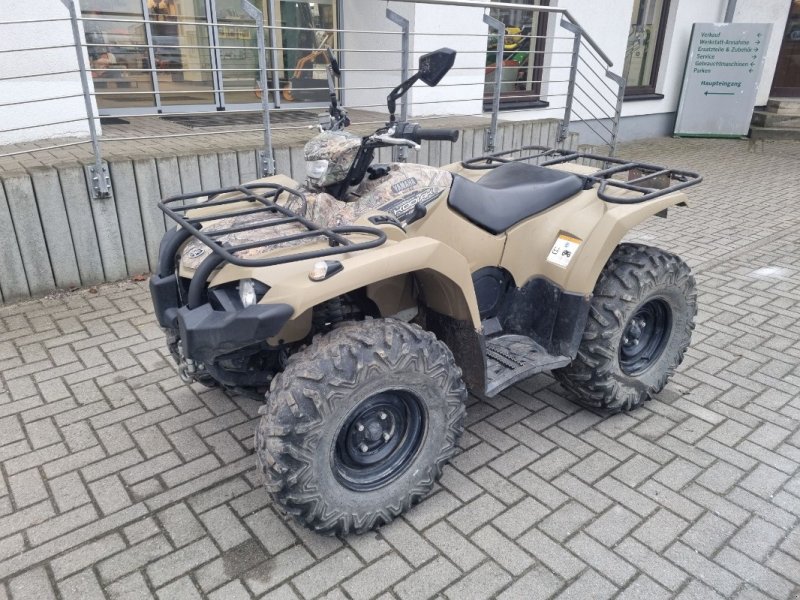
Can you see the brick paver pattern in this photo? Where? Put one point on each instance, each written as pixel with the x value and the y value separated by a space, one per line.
pixel 120 481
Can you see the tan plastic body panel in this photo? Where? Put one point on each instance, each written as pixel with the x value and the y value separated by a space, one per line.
pixel 443 276
pixel 443 249
pixel 599 225
pixel 480 247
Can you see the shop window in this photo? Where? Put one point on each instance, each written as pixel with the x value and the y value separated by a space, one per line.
pixel 523 57
pixel 181 36
pixel 201 55
pixel 307 28
pixel 119 60
pixel 643 54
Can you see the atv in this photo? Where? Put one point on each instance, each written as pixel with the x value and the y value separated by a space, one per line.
pixel 363 304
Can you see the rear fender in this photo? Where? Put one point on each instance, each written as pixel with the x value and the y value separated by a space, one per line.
pixel 600 226
pixel 615 223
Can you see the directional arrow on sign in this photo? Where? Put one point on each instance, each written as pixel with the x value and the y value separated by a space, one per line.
pixel 718 93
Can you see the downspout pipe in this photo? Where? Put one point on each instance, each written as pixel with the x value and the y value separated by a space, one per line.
pixel 729 11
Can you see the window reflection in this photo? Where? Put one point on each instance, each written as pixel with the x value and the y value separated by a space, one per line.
pixel 306 30
pixel 202 54
pixel 523 56
pixel 118 56
pixel 182 52
pixel 644 46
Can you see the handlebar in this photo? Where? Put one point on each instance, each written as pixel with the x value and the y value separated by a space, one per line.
pixel 432 134
pixel 417 134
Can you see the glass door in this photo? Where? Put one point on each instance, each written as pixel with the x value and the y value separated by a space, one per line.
pixel 306 29
pixel 184 68
pixel 237 53
pixel 202 55
pixel 787 72
pixel 119 61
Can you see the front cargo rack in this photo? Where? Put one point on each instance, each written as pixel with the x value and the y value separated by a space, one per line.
pixel 645 180
pixel 264 196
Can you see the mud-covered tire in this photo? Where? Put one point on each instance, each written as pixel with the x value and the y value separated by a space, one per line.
pixel 299 443
pixel 637 280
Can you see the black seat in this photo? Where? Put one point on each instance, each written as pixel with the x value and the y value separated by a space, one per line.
pixel 511 193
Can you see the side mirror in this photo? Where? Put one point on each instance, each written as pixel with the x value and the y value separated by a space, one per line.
pixel 435 65
pixel 432 67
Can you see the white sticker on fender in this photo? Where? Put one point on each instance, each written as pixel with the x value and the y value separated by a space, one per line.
pixel 563 250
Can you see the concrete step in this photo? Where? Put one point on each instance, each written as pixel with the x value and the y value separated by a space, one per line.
pixel 763 118
pixel 784 106
pixel 774 133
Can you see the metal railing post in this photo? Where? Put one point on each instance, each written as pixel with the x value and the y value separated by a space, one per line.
pixel 563 127
pixel 151 56
pixel 401 152
pixel 266 166
pixel 500 28
pixel 620 81
pixel 98 173
pixel 276 80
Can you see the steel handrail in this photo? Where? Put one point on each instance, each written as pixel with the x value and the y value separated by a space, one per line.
pixel 526 7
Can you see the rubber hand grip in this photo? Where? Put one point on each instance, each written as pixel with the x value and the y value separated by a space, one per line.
pixel 431 134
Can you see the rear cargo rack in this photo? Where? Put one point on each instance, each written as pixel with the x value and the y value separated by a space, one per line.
pixel 645 180
pixel 264 196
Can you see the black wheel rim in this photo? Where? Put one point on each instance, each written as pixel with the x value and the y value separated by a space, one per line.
pixel 379 440
pixel 645 336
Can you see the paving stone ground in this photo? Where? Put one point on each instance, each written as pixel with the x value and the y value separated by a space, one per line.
pixel 119 481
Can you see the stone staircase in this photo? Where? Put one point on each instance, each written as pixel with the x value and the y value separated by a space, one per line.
pixel 779 121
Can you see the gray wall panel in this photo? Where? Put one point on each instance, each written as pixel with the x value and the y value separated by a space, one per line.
pixel 13 283
pixel 228 169
pixel 247 166
pixel 189 171
pixel 55 224
pixel 30 235
pixel 209 171
pixel 130 217
pixel 149 196
pixel 82 225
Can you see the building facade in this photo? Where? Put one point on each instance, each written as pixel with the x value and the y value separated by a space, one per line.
pixel 185 56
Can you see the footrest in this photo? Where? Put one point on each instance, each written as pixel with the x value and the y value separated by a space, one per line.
pixel 512 358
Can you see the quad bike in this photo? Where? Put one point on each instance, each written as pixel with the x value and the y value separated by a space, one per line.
pixel 365 304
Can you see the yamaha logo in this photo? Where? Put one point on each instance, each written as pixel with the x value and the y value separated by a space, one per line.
pixel 401 186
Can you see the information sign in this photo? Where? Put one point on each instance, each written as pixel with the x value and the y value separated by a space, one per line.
pixel 721 80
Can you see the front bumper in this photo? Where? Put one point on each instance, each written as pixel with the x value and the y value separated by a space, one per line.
pixel 206 333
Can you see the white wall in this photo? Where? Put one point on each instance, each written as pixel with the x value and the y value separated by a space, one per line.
pixel 607 23
pixel 682 15
pixel 463 30
pixel 62 94
pixel 459 92
pixel 765 11
pixel 369 87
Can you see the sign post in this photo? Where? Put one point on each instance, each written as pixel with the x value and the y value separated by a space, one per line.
pixel 723 68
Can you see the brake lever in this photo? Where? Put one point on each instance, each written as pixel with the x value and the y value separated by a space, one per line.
pixel 393 141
